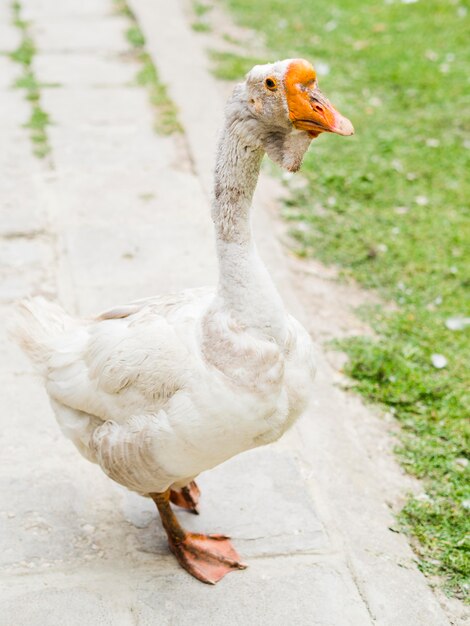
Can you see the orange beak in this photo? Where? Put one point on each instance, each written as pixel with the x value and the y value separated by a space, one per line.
pixel 318 115
pixel 309 109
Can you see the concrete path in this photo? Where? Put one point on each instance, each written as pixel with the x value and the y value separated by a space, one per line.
pixel 119 213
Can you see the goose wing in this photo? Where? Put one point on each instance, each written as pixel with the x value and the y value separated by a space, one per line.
pixel 130 360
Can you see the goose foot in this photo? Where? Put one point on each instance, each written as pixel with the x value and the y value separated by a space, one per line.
pixel 206 557
pixel 187 497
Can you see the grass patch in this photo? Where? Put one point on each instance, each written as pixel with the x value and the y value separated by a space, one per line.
pixel 166 122
pixel 201 27
pixel 39 120
pixel 121 8
pixel 230 66
pixel 201 9
pixel 390 206
pixel 26 50
pixel 37 124
pixel 231 39
pixel 135 37
pixel 166 119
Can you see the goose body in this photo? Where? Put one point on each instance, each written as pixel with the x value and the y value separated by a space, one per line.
pixel 161 389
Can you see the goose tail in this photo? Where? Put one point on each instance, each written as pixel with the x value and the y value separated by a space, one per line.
pixel 37 326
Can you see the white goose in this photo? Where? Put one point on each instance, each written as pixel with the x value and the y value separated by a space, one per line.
pixel 162 389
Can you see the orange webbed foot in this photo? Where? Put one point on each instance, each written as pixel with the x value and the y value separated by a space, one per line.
pixel 187 497
pixel 206 557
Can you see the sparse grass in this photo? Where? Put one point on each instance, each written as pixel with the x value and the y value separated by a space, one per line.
pixel 201 8
pixel 32 87
pixel 201 27
pixel 39 120
pixel 390 207
pixel 38 123
pixel 26 50
pixel 135 36
pixel 230 66
pixel 166 122
pixel 231 39
pixel 201 24
pixel 166 119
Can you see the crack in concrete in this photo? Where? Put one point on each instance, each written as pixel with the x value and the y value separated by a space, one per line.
pixel 25 234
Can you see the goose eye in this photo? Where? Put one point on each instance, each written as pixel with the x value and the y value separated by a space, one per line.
pixel 270 84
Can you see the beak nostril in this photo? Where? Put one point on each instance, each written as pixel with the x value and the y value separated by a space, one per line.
pixel 318 108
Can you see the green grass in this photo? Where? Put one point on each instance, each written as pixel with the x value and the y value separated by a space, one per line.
pixel 201 27
pixel 135 36
pixel 38 123
pixel 230 66
pixel 166 119
pixel 390 207
pixel 26 50
pixel 166 122
pixel 201 9
pixel 24 55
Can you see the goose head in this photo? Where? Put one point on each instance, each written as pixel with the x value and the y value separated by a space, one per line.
pixel 283 110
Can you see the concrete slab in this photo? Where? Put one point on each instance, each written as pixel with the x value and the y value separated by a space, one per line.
pixel 20 214
pixel 52 606
pixel 10 37
pixel 320 594
pixel 134 223
pixel 96 107
pixel 14 111
pixel 284 591
pixel 85 147
pixel 63 34
pixel 67 9
pixel 86 70
pixel 9 72
pixel 258 498
pixel 22 265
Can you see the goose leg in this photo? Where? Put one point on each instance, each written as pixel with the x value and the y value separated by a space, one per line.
pixel 206 557
pixel 187 497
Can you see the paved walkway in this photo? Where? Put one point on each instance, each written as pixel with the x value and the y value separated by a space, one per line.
pixel 122 213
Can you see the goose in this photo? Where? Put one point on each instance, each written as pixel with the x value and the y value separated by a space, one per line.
pixel 159 390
